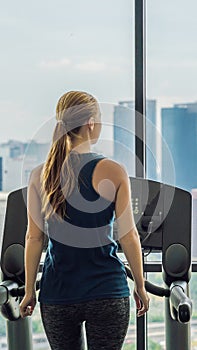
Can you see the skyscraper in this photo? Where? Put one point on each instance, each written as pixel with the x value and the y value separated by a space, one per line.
pixel 194 223
pixel 152 141
pixel 1 173
pixel 124 136
pixel 179 129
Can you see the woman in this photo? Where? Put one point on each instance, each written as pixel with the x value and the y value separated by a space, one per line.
pixel 77 193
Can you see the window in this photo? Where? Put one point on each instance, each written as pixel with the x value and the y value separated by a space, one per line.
pixel 171 77
pixel 48 48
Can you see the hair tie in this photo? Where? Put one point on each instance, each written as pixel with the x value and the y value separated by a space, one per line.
pixel 63 130
pixel 60 121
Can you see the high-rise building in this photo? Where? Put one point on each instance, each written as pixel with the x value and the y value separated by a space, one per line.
pixel 17 159
pixel 194 223
pixel 179 129
pixel 152 141
pixel 1 173
pixel 124 136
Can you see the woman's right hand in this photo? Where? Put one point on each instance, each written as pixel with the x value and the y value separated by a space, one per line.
pixel 27 305
pixel 142 300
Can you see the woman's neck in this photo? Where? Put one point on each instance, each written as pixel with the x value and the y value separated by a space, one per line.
pixel 82 147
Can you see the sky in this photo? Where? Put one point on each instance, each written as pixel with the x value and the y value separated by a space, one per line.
pixel 50 47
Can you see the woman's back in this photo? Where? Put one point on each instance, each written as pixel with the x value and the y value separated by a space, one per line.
pixel 81 261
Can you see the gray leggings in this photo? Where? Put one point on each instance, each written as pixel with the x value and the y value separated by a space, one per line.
pixel 106 324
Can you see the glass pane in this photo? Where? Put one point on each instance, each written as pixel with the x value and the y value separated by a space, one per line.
pixel 59 49
pixel 171 84
pixel 171 76
pixel 49 48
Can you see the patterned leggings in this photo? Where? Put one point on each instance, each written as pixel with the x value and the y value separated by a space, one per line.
pixel 106 324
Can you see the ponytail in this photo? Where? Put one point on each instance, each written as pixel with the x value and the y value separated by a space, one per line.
pixel 58 177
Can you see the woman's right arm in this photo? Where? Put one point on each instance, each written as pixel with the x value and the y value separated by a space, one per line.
pixel 129 240
pixel 111 181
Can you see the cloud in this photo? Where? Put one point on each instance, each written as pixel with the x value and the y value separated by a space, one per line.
pixel 87 66
pixel 91 66
pixel 95 66
pixel 55 63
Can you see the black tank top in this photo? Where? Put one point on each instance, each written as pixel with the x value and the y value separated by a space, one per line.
pixel 81 261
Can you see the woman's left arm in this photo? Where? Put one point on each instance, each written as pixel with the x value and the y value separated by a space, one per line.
pixel 34 243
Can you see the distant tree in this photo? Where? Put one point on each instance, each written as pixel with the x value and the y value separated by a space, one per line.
pixel 153 346
pixel 2 327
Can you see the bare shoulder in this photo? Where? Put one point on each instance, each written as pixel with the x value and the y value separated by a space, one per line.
pixel 107 177
pixel 111 169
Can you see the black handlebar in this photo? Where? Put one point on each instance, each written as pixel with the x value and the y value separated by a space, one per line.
pixel 20 291
pixel 150 287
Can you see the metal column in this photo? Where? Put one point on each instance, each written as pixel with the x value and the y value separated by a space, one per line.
pixel 19 334
pixel 177 334
pixel 140 107
pixel 140 87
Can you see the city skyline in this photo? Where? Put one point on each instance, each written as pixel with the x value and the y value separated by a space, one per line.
pixel 165 151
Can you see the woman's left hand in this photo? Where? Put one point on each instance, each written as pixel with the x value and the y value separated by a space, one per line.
pixel 27 305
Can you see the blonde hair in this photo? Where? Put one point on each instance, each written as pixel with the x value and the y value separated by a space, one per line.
pixel 58 180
